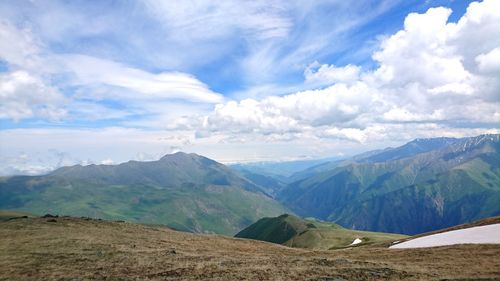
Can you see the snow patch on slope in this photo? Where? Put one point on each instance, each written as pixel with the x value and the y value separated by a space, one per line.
pixel 356 241
pixel 486 234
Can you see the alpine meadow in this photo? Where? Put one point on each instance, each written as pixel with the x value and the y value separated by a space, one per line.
pixel 250 140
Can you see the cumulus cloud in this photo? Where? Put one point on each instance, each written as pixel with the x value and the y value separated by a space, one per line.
pixel 336 105
pixel 489 63
pixel 432 78
pixel 25 96
pixel 426 74
pixel 17 46
pixel 329 74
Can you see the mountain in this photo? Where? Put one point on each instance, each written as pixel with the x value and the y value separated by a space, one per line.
pixel 314 170
pixel 292 231
pixel 184 191
pixel 280 170
pixel 269 184
pixel 418 187
pixel 412 148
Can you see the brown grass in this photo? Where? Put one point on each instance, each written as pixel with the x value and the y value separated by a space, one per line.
pixel 79 249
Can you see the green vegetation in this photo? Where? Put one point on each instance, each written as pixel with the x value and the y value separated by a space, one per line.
pixel 311 234
pixel 183 191
pixel 410 189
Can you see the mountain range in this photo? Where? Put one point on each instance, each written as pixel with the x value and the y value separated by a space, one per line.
pixel 183 191
pixel 424 185
pixel 421 186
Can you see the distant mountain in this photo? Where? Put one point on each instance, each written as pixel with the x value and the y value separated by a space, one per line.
pixel 314 170
pixel 421 186
pixel 184 191
pixel 172 170
pixel 412 148
pixel 269 184
pixel 301 233
pixel 280 170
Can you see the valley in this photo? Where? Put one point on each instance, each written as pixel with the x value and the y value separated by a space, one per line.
pixel 424 185
pixel 249 140
pixel 432 183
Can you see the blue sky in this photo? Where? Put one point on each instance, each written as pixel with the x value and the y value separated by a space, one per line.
pixel 239 81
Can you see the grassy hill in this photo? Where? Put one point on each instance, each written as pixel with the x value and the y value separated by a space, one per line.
pixel 423 189
pixel 86 249
pixel 292 231
pixel 183 191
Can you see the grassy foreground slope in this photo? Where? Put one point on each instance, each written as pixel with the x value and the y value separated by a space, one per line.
pixel 79 249
pixel 311 234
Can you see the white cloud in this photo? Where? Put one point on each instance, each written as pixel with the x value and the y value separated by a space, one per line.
pixel 107 162
pixel 433 78
pixel 330 74
pixel 29 90
pixel 17 46
pixel 88 70
pixel 423 77
pixel 336 105
pixel 201 19
pixel 25 96
pixel 489 63
pixel 420 53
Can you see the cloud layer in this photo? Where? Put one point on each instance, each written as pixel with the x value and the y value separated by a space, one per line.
pixel 246 81
pixel 433 72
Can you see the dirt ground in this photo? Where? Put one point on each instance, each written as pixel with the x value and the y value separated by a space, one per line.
pixel 85 249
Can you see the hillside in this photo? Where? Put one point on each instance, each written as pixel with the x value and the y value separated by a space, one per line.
pixel 184 191
pixel 311 234
pixel 282 171
pixel 269 184
pixel 84 249
pixel 432 184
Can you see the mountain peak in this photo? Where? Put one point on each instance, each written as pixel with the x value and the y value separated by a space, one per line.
pixel 184 158
pixel 181 154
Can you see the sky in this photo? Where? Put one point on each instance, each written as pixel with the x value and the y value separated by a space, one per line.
pixel 105 82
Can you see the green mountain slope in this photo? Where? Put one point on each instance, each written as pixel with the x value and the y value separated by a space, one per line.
pixel 312 234
pixel 281 171
pixel 270 185
pixel 456 183
pixel 184 191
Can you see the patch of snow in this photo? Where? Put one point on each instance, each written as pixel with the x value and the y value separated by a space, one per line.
pixel 395 242
pixel 486 234
pixel 356 241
